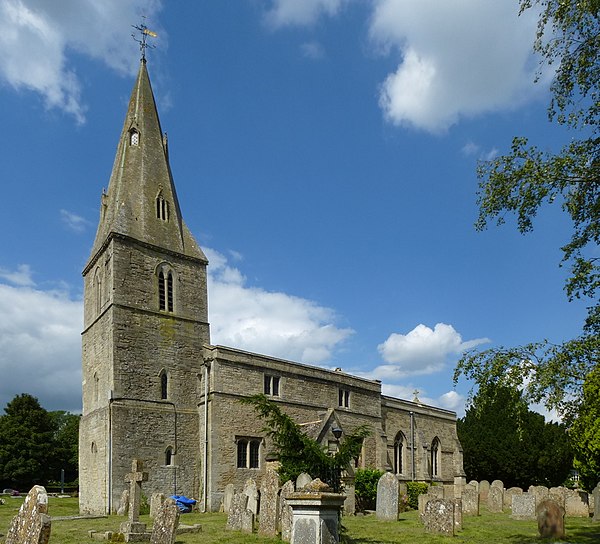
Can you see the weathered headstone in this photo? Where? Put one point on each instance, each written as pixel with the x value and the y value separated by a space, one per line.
pixel 523 506
pixel 508 494
pixel 285 515
pixel 31 525
pixel 251 491
pixel 269 507
pixel 422 500
pixel 388 493
pixel 470 501
pixel 484 488
pixel 438 517
pixel 247 525
pixel 576 504
pixel 448 491
pixel 497 483
pixel 123 507
pixel 540 492
pixel 156 502
pixel 458 515
pixel 166 521
pixel 350 492
pixel 133 526
pixel 238 507
pixel 227 496
pixel 436 491
pixel 551 519
pixel 495 499
pixel 596 494
pixel 558 494
pixel 303 480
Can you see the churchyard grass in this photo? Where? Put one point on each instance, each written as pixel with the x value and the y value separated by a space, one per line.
pixel 488 528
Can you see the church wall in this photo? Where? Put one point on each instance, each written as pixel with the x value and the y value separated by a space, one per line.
pixel 93 462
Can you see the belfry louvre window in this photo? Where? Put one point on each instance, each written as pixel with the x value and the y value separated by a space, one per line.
pixel 343 398
pixel 165 290
pixel 162 208
pixel 271 385
pixel 248 453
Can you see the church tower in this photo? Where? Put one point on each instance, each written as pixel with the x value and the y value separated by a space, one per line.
pixel 145 324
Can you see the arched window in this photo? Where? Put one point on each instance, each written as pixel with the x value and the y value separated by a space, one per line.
pixel 162 208
pixel 98 290
pixel 165 289
pixel 164 385
pixel 435 457
pixel 399 453
pixel 169 456
pixel 94 448
pixel 134 137
pixel 248 453
pixel 95 384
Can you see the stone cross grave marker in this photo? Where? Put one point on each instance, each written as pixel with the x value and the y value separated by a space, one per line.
pixel 32 524
pixel 135 479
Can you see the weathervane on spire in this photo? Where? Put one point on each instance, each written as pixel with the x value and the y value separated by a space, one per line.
pixel 145 32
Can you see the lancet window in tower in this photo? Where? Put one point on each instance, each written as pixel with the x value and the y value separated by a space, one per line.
pixel 162 208
pixel 165 289
pixel 164 385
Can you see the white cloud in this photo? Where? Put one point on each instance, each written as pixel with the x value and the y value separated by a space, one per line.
pixel 21 276
pixel 36 34
pixel 40 346
pixel 73 221
pixel 421 351
pixel 312 50
pixel 305 12
pixel 450 401
pixel 456 59
pixel 272 323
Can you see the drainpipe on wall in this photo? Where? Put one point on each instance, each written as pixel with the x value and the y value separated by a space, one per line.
pixel 412 443
pixel 205 460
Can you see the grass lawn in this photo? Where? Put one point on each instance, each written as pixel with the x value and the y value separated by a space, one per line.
pixel 487 528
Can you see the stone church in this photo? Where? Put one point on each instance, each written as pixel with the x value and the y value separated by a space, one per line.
pixel 156 389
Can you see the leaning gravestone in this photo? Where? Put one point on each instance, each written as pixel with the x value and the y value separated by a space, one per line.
pixel 227 496
pixel 123 507
pixel 576 504
pixel 596 494
pixel 166 521
pixel 269 489
pixel 470 501
pixel 251 491
pixel 388 494
pixel 285 511
pixel 31 525
pixel 523 506
pixel 156 502
pixel 438 517
pixel 495 499
pixel 551 519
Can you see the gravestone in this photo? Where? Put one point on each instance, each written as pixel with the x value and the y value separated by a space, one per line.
pixel 458 515
pixel 508 494
pixel 576 504
pixel 495 500
pixel 484 488
pixel 497 483
pixel 156 502
pixel 269 507
pixel 31 525
pixel 303 480
pixel 551 519
pixel 540 492
pixel 227 496
pixel 475 484
pixel 388 493
pixel 350 492
pixel 448 491
pixel 133 529
pixel 285 512
pixel 523 506
pixel 123 507
pixel 422 500
pixel 251 491
pixel 596 494
pixel 436 491
pixel 247 525
pixel 166 521
pixel 558 494
pixel 438 517
pixel 239 503
pixel 459 484
pixel 470 501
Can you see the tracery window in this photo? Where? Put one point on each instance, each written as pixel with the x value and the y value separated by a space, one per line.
pixel 165 289
pixel 162 208
pixel 399 453
pixel 435 457
pixel 248 453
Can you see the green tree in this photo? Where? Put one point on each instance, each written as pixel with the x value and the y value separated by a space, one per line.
pixel 26 443
pixel 65 450
pixel 527 179
pixel 503 439
pixel 585 432
pixel 298 452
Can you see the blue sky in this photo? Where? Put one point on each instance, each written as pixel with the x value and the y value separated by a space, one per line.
pixel 324 154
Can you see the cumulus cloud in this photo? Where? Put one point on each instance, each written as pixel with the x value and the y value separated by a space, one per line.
pixel 273 323
pixel 292 12
pixel 73 221
pixel 40 346
pixel 422 351
pixel 21 276
pixel 456 59
pixel 450 401
pixel 35 36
